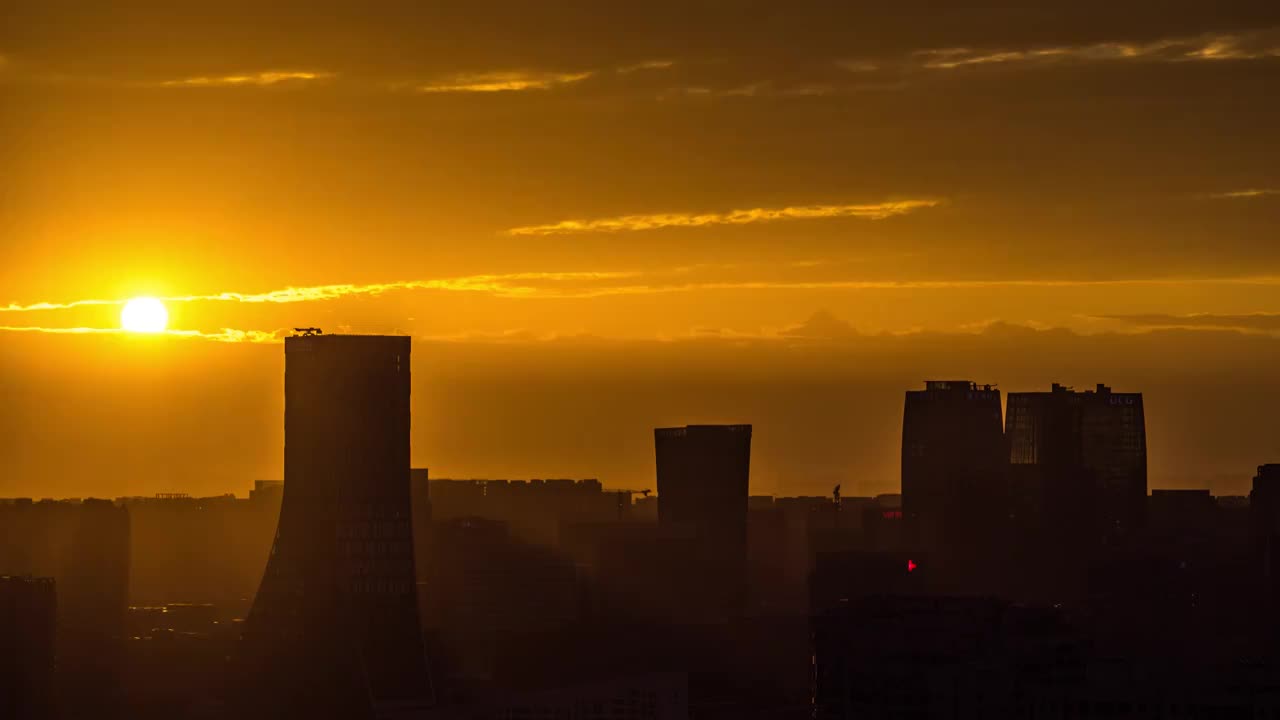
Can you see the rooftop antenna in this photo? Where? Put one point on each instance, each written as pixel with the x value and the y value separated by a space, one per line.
pixel 308 331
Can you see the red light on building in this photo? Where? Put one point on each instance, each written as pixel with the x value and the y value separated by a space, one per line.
pixel 892 514
pixel 911 565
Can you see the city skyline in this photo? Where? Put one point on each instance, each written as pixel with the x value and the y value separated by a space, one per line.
pixel 776 478
pixel 639 360
pixel 1026 553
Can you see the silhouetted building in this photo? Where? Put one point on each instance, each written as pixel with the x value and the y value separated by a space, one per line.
pixel 84 546
pixel 841 577
pixel 479 583
pixel 703 477
pixel 1079 462
pixel 200 550
pixel 420 495
pixel 767 559
pixel 534 510
pixel 786 534
pixel 27 631
pixel 176 660
pixel 267 490
pixel 1264 501
pixel 334 629
pixel 943 657
pixel 1264 532
pixel 953 466
pixel 647 696
pixel 644 509
pixel 1181 512
pixel 742 668
pixel 651 571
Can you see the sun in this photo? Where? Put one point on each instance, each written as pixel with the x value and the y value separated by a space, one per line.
pixel 144 315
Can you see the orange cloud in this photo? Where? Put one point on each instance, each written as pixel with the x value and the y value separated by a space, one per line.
pixel 260 79
pixel 585 285
pixel 227 335
pixel 1261 322
pixel 1245 194
pixel 35 307
pixel 627 223
pixel 507 285
pixel 1203 48
pixel 647 65
pixel 662 288
pixel 503 82
pixel 524 284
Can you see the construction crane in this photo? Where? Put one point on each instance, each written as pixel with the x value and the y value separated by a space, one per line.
pixel 308 331
pixel 628 493
pixel 644 492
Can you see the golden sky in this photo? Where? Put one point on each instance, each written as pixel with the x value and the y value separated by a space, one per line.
pixel 596 218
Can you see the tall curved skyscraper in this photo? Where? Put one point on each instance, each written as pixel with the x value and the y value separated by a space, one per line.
pixel 334 629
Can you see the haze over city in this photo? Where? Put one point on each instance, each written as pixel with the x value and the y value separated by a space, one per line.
pixel 598 220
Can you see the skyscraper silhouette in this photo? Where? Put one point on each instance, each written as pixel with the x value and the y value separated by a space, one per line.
pixel 1264 533
pixel 703 476
pixel 1264 501
pixel 1083 455
pixel 334 629
pixel 84 546
pixel 953 463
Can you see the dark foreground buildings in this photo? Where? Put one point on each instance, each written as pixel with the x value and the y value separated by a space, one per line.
pixel 894 656
pixel 334 629
pixel 27 631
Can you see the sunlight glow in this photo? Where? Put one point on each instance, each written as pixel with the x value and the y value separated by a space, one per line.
pixel 144 315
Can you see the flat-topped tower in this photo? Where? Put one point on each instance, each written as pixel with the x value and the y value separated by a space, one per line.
pixel 334 628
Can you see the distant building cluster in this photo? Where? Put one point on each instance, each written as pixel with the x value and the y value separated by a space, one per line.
pixel 1023 571
pixel 1063 476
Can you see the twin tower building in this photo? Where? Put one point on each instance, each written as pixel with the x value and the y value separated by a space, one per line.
pixel 1066 467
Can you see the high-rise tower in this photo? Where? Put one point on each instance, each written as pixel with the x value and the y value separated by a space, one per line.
pixel 334 629
pixel 953 465
pixel 1083 457
pixel 703 477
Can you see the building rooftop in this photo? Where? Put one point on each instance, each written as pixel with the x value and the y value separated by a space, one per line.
pixel 687 428
pixel 956 385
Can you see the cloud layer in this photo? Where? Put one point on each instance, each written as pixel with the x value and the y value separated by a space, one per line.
pixel 1254 46
pixel 592 284
pixel 1248 194
pixel 507 81
pixel 259 79
pixel 629 223
pixel 523 284
pixel 1249 323
pixel 228 335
